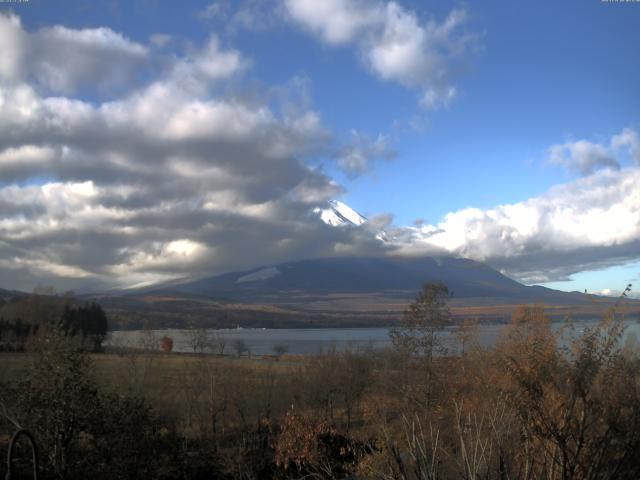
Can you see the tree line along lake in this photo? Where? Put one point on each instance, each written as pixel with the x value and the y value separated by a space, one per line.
pixel 311 341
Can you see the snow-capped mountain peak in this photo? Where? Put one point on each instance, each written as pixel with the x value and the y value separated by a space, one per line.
pixel 338 214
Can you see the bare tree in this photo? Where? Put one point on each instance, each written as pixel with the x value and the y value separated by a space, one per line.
pixel 197 339
pixel 218 343
pixel 466 333
pixel 240 346
pixel 280 349
pixel 148 339
pixel 419 458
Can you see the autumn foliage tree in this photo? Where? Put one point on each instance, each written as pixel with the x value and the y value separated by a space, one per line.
pixel 416 341
pixel 310 448
pixel 579 409
pixel 166 344
pixel 428 314
pixel 548 401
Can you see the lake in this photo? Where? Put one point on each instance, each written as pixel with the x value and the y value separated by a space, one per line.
pixel 300 341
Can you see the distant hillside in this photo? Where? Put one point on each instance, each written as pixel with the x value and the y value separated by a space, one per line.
pixel 340 292
pixel 6 295
pixel 390 277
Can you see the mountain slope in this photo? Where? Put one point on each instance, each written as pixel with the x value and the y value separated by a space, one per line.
pixel 389 277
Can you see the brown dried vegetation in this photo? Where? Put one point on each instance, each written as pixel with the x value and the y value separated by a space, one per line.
pixel 544 403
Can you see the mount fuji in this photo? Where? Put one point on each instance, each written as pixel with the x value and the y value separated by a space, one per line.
pixel 339 214
pixel 343 291
pixel 389 277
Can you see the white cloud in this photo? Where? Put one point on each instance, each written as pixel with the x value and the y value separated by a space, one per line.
pixel 627 139
pixel 39 267
pixel 61 60
pixel 169 179
pixel 336 21
pixel 393 42
pixel 582 156
pixel 585 157
pixel 24 158
pixel 362 151
pixel 587 224
pixel 178 178
pixel 209 64
pixel 249 15
pixel 213 10
pixel 13 46
pixel 160 40
pixel 95 39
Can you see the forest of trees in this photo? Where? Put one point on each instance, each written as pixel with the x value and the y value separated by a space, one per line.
pixel 525 409
pixel 22 318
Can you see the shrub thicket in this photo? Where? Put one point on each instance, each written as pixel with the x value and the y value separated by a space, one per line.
pixel 532 407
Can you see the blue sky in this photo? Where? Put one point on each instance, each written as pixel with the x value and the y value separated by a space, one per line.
pixel 544 117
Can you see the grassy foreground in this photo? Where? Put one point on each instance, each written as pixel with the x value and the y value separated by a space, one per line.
pixel 523 409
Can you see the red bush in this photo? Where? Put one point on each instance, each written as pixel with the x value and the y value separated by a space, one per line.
pixel 166 344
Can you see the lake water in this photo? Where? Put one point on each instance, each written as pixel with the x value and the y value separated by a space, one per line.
pixel 310 341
